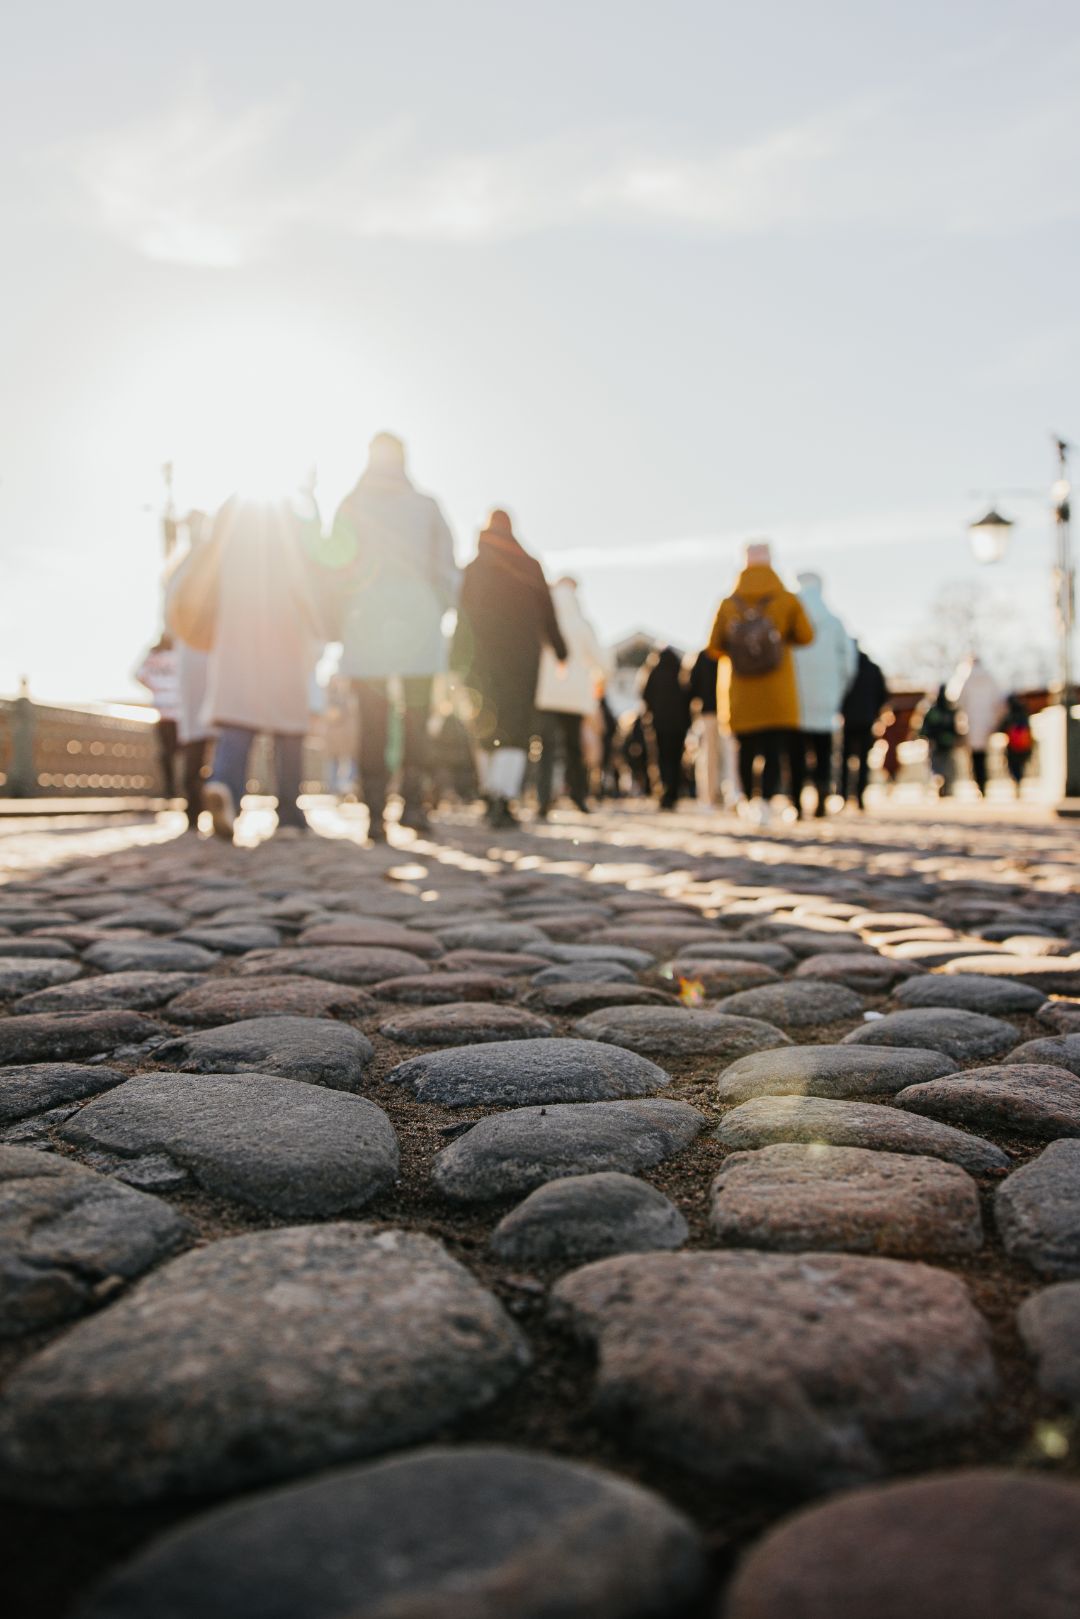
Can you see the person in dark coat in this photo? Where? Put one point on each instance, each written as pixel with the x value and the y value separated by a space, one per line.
pixel 609 735
pixel 939 726
pixel 866 697
pixel 667 707
pixel 1016 723
pixel 505 617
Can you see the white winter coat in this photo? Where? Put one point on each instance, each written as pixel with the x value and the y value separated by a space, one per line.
pixel 571 689
pixel 193 669
pixel 398 577
pixel 267 639
pixel 823 670
pixel 979 698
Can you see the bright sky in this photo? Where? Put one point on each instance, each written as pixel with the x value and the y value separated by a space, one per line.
pixel 656 279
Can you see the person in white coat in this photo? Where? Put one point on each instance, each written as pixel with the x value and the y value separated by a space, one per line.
pixel 566 691
pixel 268 638
pixel 395 554
pixel 981 701
pixel 823 672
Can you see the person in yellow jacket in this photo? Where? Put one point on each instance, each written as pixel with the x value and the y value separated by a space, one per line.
pixel 757 697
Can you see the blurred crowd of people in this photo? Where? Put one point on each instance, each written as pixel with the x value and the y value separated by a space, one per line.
pixel 489 682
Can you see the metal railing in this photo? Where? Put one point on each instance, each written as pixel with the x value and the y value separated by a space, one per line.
pixel 105 751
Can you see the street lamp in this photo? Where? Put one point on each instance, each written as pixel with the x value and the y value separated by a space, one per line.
pixel 989 536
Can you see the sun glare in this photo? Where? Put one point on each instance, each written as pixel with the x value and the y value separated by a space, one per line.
pixel 243 408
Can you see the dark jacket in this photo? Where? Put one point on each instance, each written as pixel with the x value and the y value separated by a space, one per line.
pixel 866 696
pixel 664 694
pixel 940 724
pixel 702 681
pixel 505 616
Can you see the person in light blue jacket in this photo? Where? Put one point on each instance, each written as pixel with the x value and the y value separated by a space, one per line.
pixel 395 556
pixel 823 672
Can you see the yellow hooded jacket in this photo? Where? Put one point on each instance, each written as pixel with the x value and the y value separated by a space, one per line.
pixel 760 702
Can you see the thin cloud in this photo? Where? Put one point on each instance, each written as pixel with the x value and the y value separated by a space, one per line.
pixel 184 187
pixel 198 185
pixel 792 542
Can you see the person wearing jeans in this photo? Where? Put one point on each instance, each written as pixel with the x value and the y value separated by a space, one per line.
pixel 231 754
pixel 268 637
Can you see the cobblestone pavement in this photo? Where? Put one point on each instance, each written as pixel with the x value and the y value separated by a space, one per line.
pixel 630 1215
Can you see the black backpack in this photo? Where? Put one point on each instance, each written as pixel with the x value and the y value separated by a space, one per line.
pixel 753 642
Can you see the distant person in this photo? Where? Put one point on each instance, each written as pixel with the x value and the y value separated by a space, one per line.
pixel 667 709
pixel 701 685
pixel 634 746
pixel 505 618
pixel 893 729
pixel 340 728
pixel 269 636
pixel 565 694
pixel 608 725
pixel 158 673
pixel 980 699
pixel 193 734
pixel 939 726
pixel 823 672
pixel 752 637
pixel 399 579
pixel 863 701
pixel 1016 724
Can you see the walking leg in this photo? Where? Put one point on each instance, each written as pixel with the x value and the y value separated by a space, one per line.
pixel 374 710
pixel 576 783
pixel 288 767
pixel 166 742
pixel 748 750
pixel 194 759
pixel 772 743
pixel 846 742
pixel 823 751
pixel 978 769
pixel 669 750
pixel 547 730
pixel 796 755
pixel 224 792
pixel 864 742
pixel 417 751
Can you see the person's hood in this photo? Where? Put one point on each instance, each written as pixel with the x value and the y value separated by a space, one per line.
pixel 970 680
pixel 568 608
pixel 759 580
pixel 818 610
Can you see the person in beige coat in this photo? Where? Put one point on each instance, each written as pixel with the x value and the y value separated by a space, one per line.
pixel 567 691
pixel 268 639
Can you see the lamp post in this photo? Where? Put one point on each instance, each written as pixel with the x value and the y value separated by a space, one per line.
pixel 989 536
